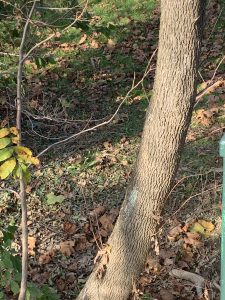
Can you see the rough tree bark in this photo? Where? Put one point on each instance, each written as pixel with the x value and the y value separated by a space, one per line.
pixel 167 121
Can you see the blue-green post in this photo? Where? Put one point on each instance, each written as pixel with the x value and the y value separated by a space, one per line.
pixel 222 272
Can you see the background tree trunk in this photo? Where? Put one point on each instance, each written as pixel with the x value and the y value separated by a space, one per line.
pixel 166 124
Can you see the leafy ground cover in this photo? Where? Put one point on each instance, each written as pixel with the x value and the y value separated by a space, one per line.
pixel 78 80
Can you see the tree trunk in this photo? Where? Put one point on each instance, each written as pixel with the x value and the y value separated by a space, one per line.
pixel 166 124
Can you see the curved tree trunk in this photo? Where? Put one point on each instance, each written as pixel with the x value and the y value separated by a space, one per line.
pixel 166 124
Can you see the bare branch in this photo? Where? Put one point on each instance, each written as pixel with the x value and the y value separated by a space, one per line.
pixel 10 191
pixel 134 86
pixel 209 88
pixel 220 62
pixel 56 8
pixel 54 34
pixel 8 54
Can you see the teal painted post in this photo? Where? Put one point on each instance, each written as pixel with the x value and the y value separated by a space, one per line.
pixel 222 272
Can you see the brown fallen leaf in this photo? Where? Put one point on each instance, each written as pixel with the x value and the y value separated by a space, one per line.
pixel 31 245
pixel 166 294
pixel 81 242
pixel 107 222
pixel 144 280
pixel 67 248
pixel 152 265
pixel 70 228
pixel 114 212
pixel 174 233
pixel 103 232
pixel 111 44
pixel 205 117
pixel 86 228
pixel 99 210
pixel 72 267
pixel 103 258
pixel 94 44
pixel 61 284
pixel 82 39
pixel 46 257
pixel 193 238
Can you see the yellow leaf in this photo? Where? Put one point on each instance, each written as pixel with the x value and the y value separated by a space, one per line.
pixel 7 167
pixel 209 226
pixel 23 150
pixel 4 142
pixel 15 140
pixel 14 130
pixel 196 227
pixel 4 132
pixel 29 159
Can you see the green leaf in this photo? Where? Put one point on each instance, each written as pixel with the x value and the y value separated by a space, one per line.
pixel 48 293
pixel 26 173
pixel 7 167
pixel 4 142
pixel 8 275
pixel 16 172
pixel 53 199
pixel 2 296
pixel 14 286
pixel 35 292
pixel 40 62
pixel 16 261
pixel 6 153
pixel 18 275
pixel 27 295
pixel 6 259
pixel 4 132
pixel 51 60
pixel 8 234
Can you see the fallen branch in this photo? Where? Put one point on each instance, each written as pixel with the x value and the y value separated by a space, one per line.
pixel 196 279
pixel 209 89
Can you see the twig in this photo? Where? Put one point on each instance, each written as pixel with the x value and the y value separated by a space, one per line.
pixel 210 87
pixel 55 34
pixel 134 86
pixel 214 26
pixel 7 53
pixel 220 62
pixel 56 8
pixel 10 191
pixel 23 285
pixel 191 197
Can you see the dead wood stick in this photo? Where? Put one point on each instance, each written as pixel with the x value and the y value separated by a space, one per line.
pixel 196 279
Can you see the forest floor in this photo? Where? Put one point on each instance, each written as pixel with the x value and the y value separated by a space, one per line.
pixel 75 195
